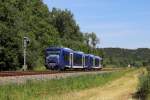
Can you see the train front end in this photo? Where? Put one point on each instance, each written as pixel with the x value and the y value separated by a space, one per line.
pixel 52 59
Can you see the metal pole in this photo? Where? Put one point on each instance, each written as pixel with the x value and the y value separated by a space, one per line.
pixel 24 53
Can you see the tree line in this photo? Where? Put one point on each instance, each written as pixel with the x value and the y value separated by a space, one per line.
pixel 119 57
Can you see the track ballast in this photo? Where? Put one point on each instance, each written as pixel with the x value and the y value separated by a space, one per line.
pixel 24 73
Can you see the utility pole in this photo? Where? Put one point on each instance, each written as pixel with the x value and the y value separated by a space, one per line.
pixel 25 42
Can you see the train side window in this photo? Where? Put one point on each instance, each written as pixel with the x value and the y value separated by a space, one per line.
pixel 91 61
pixel 96 62
pixel 66 56
pixel 77 59
pixel 80 60
pixel 86 60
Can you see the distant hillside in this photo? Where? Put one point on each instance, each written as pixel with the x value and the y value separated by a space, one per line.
pixel 123 57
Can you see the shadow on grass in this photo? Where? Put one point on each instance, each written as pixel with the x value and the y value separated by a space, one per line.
pixel 140 95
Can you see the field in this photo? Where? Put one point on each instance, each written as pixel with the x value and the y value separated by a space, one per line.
pixel 122 88
pixel 37 90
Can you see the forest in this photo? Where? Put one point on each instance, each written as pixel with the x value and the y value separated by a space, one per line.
pixel 32 18
pixel 55 27
pixel 119 57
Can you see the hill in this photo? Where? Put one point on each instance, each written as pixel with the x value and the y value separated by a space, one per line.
pixel 124 57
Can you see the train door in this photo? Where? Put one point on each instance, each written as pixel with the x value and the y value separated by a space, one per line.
pixel 71 60
pixel 94 62
pixel 83 61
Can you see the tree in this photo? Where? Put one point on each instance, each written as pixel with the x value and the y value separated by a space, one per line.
pixel 64 21
pixel 87 38
pixel 19 19
pixel 94 39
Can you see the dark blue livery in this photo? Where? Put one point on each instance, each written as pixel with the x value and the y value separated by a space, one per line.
pixel 57 58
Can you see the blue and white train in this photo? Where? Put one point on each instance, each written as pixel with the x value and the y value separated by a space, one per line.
pixel 57 58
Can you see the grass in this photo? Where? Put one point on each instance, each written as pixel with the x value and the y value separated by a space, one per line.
pixel 39 68
pixel 144 86
pixel 38 89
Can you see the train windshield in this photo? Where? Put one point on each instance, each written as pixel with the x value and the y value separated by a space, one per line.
pixel 53 53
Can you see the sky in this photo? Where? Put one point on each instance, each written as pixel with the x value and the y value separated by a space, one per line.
pixel 118 23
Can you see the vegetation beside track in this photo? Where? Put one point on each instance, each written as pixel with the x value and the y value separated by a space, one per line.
pixel 39 89
pixel 144 85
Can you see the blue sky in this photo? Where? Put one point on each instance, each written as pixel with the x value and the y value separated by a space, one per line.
pixel 118 23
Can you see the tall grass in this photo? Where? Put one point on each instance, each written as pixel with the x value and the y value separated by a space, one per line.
pixel 38 89
pixel 144 86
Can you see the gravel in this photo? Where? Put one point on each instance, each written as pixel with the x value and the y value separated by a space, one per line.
pixel 24 79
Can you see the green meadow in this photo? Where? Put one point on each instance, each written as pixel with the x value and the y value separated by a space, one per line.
pixel 37 89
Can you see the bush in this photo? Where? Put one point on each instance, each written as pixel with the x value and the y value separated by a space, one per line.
pixel 144 86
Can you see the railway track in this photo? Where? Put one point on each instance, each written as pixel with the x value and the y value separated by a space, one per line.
pixel 24 73
pixel 19 77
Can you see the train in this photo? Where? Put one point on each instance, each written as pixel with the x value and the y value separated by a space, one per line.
pixel 60 58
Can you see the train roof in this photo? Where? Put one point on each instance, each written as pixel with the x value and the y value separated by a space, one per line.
pixel 98 57
pixel 80 52
pixel 61 48
pixel 90 55
pixel 67 49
